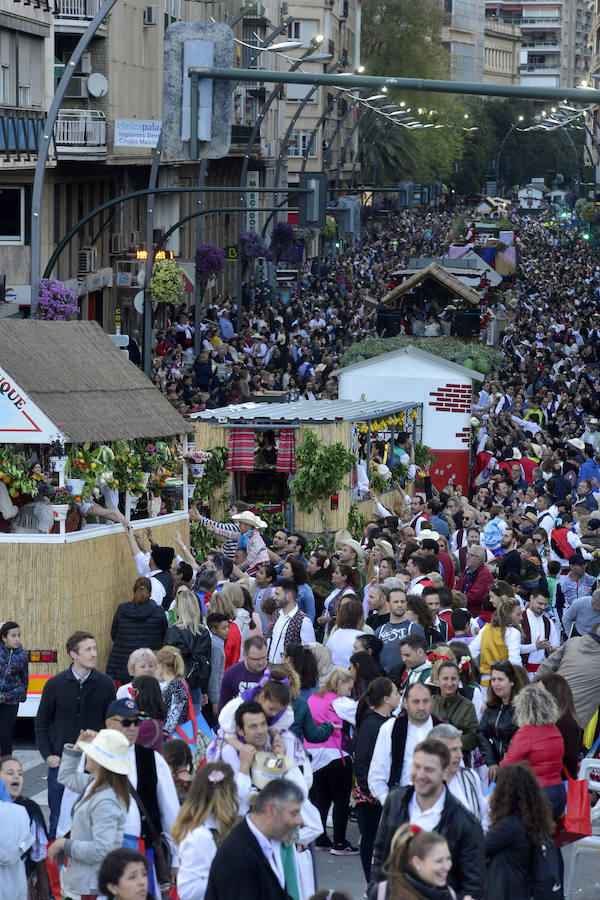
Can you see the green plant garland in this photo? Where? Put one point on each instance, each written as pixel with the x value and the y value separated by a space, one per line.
pixel 320 471
pixel 215 474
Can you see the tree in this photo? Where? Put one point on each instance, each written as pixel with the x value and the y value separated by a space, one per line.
pixel 166 284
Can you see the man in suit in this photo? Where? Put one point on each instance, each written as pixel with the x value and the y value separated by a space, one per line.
pixel 249 862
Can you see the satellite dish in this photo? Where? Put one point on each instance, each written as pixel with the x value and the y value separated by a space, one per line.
pixel 97 85
pixel 138 302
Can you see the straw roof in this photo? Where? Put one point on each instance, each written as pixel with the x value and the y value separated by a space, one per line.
pixel 442 276
pixel 81 380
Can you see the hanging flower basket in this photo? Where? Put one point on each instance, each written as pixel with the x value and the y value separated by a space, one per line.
pixel 59 511
pixel 76 486
pixel 198 469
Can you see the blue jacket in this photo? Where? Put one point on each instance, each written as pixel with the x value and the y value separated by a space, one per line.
pixel 14 675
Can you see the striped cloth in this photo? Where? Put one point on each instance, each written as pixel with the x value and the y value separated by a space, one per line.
pixel 241 450
pixel 286 455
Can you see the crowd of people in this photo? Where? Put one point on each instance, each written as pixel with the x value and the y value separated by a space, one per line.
pixel 431 678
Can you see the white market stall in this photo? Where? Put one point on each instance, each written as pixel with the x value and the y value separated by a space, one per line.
pixel 444 388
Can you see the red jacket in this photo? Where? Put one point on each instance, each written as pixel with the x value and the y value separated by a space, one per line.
pixel 542 746
pixel 446 563
pixel 477 589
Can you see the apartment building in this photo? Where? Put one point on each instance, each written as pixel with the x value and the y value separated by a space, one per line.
pixel 502 52
pixel 463 37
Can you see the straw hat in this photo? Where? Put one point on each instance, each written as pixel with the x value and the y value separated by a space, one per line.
pixel 427 534
pixel 536 449
pixel 577 443
pixel 516 454
pixel 267 767
pixel 385 547
pixel 248 518
pixel 531 517
pixel 350 542
pixel 109 749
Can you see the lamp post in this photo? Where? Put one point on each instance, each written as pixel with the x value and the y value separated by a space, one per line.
pixel 244 174
pixel 501 147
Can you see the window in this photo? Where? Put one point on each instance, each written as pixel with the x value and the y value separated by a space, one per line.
pixel 304 31
pixel 12 222
pixel 8 65
pixel 29 70
pixel 298 145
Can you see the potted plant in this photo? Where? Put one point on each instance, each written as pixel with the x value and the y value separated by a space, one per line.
pixel 210 262
pixel 61 503
pixel 83 472
pixel 197 461
pixel 14 473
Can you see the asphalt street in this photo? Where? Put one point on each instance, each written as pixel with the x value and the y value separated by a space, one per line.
pixel 340 873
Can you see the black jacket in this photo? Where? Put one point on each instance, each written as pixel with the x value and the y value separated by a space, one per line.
pixel 495 732
pixel 399 735
pixel 134 625
pixel 240 869
pixel 508 851
pixel 67 706
pixel 368 730
pixel 460 828
pixel 195 649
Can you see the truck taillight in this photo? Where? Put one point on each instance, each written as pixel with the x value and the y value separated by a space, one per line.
pixel 43 656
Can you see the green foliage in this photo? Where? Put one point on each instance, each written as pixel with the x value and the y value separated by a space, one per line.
pixel 459 229
pixel 215 474
pixel 275 520
pixel 423 455
pixel 320 471
pixel 588 211
pixel 166 284
pixel 378 483
pixel 400 472
pixel 403 37
pixel 447 348
pixel 356 521
pixel 330 228
pixel 202 540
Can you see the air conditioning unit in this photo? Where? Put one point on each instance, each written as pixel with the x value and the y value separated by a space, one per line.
pixel 77 88
pixel 86 260
pixel 115 243
pixel 136 237
pixel 150 15
pixel 284 7
pixel 85 66
pixel 331 47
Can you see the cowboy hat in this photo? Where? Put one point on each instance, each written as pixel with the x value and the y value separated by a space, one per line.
pixel 350 542
pixel 109 749
pixel 531 517
pixel 427 534
pixel 536 449
pixel 248 518
pixel 515 454
pixel 385 547
pixel 577 443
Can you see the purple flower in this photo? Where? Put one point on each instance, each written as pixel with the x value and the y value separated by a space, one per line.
pixel 252 245
pixel 210 262
pixel 56 301
pixel 282 237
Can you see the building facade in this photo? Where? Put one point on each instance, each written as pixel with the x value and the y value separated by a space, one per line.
pixel 502 52
pixel 463 37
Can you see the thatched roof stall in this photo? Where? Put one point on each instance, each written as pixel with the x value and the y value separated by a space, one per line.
pixel 80 381
pixel 432 283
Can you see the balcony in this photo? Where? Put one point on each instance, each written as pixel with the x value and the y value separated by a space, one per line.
pixel 20 134
pixel 528 22
pixel 80 134
pixel 542 68
pixel 74 16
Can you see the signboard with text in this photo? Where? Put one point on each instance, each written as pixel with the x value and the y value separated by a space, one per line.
pixel 21 421
pixel 137 132
pixel 252 217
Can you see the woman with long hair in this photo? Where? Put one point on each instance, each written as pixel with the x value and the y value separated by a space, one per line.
pixel 243 617
pixel 123 875
pixel 497 725
pixel 99 815
pixel 331 760
pixel 499 639
pixel 319 573
pixel 418 865
pixel 374 708
pixel 206 817
pixel 294 570
pixel 364 669
pixel 192 639
pixel 520 822
pixel 568 722
pixel 137 623
pixel 417 611
pixel 176 694
pixel 539 743
pixel 346 582
pixel 303 661
pixel 149 700
pixel 349 624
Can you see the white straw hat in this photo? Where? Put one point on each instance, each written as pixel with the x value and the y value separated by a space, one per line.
pixel 109 749
pixel 248 518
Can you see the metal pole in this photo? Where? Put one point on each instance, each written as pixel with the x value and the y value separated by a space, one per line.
pixel 338 127
pixel 44 148
pixel 500 148
pixel 243 179
pixel 338 171
pixel 147 320
pixel 373 146
pixel 197 293
pixel 580 95
pixel 368 131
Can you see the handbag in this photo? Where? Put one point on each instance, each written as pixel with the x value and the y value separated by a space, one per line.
pixel 196 731
pixel 160 846
pixel 577 818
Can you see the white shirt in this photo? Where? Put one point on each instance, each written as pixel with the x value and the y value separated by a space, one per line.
pixel 340 645
pixel 427 819
pixel 381 761
pixel 270 849
pixel 158 592
pixel 465 786
pixel 538 632
pixel 166 795
pixel 196 853
pixel 277 645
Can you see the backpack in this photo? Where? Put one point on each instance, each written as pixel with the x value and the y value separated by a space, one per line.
pixel 544 871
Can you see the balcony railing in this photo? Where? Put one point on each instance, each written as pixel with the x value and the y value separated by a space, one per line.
pixel 76 10
pixel 20 133
pixel 539 67
pixel 80 133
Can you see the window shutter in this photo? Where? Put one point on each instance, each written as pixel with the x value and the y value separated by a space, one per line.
pixel 7 61
pixel 36 55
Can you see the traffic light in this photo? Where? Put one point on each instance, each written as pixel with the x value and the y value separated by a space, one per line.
pixel 312 207
pixel 585 236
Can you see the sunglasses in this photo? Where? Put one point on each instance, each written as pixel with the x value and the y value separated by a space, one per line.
pixel 127 722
